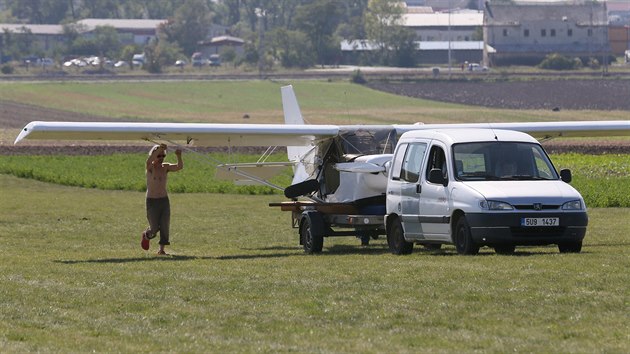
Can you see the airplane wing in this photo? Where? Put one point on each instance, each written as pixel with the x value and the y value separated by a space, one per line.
pixel 205 134
pixel 540 130
pixel 199 134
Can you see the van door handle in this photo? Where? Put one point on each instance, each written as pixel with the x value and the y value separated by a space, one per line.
pixel 418 188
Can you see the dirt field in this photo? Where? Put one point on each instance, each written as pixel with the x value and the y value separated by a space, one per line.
pixel 556 94
pixel 553 94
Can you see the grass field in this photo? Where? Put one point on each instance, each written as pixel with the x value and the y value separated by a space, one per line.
pixel 334 102
pixel 74 279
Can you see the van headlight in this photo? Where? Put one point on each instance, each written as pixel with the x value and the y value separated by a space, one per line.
pixel 495 205
pixel 572 205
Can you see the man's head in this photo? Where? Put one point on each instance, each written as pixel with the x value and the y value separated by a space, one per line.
pixel 161 153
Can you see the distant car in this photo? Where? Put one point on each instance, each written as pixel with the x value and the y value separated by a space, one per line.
pixel 120 64
pixel 215 60
pixel 477 67
pixel 180 63
pixel 45 62
pixel 198 59
pixel 627 56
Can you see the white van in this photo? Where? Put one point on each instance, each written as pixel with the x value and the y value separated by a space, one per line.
pixel 479 187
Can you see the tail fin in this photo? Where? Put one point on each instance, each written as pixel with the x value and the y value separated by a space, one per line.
pixel 293 115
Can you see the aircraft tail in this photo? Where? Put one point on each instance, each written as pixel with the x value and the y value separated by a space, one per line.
pixel 293 115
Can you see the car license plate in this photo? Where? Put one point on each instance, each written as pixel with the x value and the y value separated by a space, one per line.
pixel 527 222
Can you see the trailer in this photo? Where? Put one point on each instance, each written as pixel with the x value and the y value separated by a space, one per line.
pixel 317 220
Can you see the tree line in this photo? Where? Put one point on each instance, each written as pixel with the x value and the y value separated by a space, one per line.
pixel 290 33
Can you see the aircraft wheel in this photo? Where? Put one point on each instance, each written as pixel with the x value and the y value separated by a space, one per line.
pixel 570 247
pixel 463 240
pixel 312 240
pixel 396 239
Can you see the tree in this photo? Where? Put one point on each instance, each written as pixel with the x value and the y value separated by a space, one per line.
pixel 189 26
pixel 383 23
pixel 39 11
pixel 319 20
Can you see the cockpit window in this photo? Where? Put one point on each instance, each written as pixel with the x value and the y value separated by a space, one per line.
pixel 502 161
pixel 368 142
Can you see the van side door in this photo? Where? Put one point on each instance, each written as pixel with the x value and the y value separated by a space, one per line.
pixel 434 202
pixel 403 188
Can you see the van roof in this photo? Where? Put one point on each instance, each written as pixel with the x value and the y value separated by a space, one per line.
pixel 467 135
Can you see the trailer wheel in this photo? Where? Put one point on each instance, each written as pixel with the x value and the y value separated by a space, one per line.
pixel 396 239
pixel 462 238
pixel 311 232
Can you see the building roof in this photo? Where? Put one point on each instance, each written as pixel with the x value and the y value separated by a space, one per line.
pixel 460 19
pixel 35 29
pixel 223 39
pixel 128 24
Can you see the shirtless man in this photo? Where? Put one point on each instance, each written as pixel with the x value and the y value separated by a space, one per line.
pixel 158 206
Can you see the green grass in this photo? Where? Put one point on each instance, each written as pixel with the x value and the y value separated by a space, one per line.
pixel 126 172
pixel 598 177
pixel 74 279
pixel 334 102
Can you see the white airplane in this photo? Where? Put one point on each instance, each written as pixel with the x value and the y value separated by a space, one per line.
pixel 340 171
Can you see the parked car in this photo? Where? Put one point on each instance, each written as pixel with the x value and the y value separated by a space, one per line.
pixel 198 59
pixel 215 60
pixel 477 67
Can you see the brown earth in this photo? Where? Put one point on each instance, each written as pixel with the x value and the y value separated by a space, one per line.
pixel 606 95
pixel 552 94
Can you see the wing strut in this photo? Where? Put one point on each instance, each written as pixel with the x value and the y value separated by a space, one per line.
pixel 229 168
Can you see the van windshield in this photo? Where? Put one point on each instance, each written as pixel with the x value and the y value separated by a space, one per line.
pixel 495 161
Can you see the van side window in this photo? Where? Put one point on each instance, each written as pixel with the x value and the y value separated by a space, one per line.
pixel 412 162
pixel 398 159
pixel 437 159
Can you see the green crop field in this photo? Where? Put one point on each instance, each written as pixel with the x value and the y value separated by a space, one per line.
pixel 598 177
pixel 74 278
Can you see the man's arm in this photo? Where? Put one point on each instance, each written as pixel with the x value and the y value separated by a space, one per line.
pixel 153 156
pixel 180 162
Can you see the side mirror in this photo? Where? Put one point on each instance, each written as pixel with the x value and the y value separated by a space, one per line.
pixel 565 175
pixel 436 176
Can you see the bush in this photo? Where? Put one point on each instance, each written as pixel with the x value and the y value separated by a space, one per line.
pixel 357 77
pixel 557 62
pixel 7 69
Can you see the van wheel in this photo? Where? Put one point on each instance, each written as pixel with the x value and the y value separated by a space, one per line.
pixel 463 240
pixel 570 247
pixel 504 249
pixel 396 239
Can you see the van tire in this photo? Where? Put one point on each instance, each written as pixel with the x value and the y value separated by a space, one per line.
pixel 396 239
pixel 462 238
pixel 506 249
pixel 570 247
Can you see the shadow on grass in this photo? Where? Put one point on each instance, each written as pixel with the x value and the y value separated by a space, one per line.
pixel 134 259
pixel 176 258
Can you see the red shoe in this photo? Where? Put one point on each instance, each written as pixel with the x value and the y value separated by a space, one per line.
pixel 144 243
